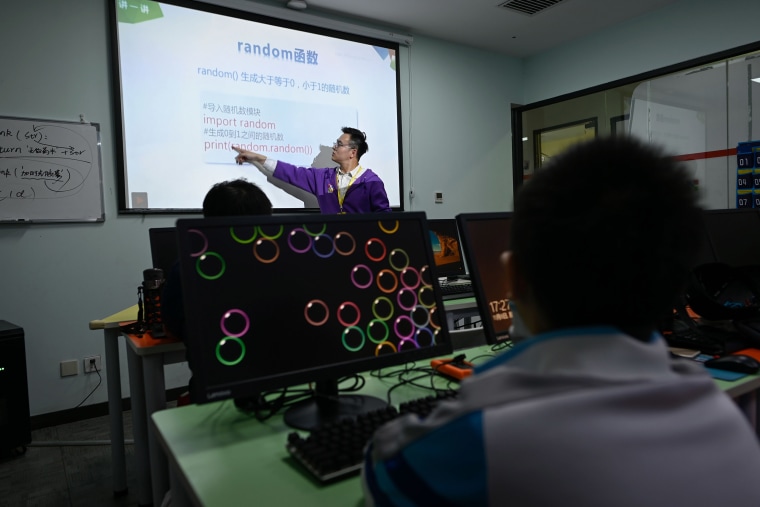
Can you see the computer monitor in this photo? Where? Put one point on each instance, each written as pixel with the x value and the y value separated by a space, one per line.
pixel 279 301
pixel 484 237
pixel 734 235
pixel 447 250
pixel 163 247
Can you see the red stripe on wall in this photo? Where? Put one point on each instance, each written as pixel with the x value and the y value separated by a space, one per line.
pixel 706 154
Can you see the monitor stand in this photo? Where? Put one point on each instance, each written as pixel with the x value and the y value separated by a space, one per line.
pixel 327 406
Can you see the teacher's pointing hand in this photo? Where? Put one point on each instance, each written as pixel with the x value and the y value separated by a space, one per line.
pixel 248 156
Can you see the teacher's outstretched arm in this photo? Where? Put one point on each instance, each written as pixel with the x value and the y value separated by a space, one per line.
pixel 248 156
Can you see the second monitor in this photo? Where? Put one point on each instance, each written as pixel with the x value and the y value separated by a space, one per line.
pixel 485 236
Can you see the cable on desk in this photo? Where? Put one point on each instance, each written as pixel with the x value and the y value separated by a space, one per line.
pixel 269 403
pixel 500 346
pixel 358 385
pixel 423 373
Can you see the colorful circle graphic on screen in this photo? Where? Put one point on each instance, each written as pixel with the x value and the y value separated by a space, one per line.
pixel 345 244
pixel 210 265
pixel 315 233
pixel 266 251
pixel 420 316
pixel 271 231
pixel 200 242
pixel 387 281
pixel 299 240
pixel 235 319
pixel 426 296
pixel 383 308
pixel 425 337
pixel 410 278
pixel 316 312
pixel 378 327
pixel 406 299
pixel 353 339
pixel 323 246
pixel 361 276
pixel 398 259
pixel 388 226
pixel 404 327
pixel 244 240
pixel 375 250
pixel 230 350
pixel 385 348
pixel 349 314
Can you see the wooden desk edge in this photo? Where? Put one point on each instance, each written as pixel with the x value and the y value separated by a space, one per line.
pixel 126 315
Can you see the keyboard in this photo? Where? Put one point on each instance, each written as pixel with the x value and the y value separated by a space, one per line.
pixel 458 289
pixel 696 339
pixel 336 450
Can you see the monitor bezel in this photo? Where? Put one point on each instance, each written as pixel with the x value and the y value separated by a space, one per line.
pixel 160 232
pixel 205 389
pixel 492 336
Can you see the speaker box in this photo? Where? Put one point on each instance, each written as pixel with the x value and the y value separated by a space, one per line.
pixel 15 426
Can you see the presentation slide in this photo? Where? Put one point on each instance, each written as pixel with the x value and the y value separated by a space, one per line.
pixel 194 83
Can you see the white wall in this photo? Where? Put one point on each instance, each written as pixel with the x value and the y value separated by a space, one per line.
pixel 57 278
pixel 461 141
pixel 681 31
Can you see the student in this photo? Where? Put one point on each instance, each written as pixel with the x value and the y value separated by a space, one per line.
pixel 348 188
pixel 590 410
pixel 228 198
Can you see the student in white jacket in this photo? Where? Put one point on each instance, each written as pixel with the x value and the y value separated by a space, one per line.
pixel 590 410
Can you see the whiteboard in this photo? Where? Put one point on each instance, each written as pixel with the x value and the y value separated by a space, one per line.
pixel 50 171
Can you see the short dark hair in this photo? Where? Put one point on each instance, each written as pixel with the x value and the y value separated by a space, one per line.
pixel 606 234
pixel 236 198
pixel 358 141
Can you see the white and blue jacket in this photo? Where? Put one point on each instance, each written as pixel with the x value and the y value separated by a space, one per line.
pixel 583 417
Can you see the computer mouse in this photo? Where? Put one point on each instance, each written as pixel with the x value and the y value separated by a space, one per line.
pixel 735 362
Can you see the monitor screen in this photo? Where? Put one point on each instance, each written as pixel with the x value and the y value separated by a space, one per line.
pixel 485 236
pixel 734 235
pixel 277 301
pixel 163 247
pixel 447 250
pixel 193 79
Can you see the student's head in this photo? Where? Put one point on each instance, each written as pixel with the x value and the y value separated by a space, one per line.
pixel 357 140
pixel 604 235
pixel 236 198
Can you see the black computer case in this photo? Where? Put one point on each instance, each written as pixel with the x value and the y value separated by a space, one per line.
pixel 15 426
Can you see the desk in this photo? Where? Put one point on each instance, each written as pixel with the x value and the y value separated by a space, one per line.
pixel 219 456
pixel 146 357
pixel 111 327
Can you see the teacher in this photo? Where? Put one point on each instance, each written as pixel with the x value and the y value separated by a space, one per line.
pixel 348 188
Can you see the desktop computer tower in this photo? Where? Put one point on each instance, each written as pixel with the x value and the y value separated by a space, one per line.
pixel 15 426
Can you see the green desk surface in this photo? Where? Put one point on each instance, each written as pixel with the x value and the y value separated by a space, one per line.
pixel 232 459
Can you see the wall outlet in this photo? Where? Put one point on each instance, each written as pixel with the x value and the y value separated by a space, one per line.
pixel 91 363
pixel 69 368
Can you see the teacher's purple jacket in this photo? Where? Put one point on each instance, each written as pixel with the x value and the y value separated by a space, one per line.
pixel 365 195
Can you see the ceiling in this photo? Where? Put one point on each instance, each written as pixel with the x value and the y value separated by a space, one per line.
pixel 485 24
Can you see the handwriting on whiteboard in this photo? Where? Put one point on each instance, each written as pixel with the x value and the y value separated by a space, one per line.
pixel 43 161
